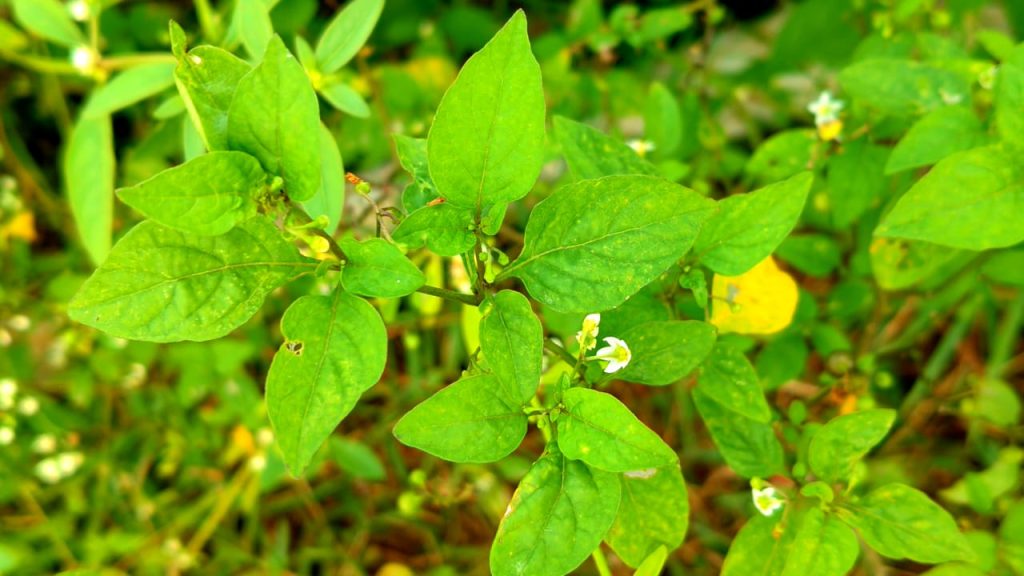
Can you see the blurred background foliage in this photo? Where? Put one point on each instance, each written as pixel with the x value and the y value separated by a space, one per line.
pixel 128 457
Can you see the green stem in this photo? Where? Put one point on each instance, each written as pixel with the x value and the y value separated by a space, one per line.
pixel 208 21
pixel 557 350
pixel 600 562
pixel 451 295
pixel 1006 337
pixel 132 60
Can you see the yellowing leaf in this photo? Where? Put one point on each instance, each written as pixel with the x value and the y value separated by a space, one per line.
pixel 759 301
pixel 21 226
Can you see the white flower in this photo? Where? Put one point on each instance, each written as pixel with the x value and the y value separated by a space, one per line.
pixel 79 10
pixel 8 387
pixel 766 501
pixel 616 354
pixel 264 437
pixel 69 462
pixel 587 337
pixel 44 444
pixel 48 471
pixel 83 59
pixel 19 323
pixel 825 109
pixel 6 435
pixel 641 147
pixel 28 406
pixel 257 463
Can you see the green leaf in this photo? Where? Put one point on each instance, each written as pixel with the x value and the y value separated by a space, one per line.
pixel 663 122
pixel 275 117
pixel 443 228
pixel 592 154
pixel 748 227
pixel 941 133
pixel 761 547
pixel 162 285
pixel 347 33
pixel 823 546
pixel 48 19
pixel 412 155
pixel 653 564
pixel 208 195
pixel 728 378
pixel 486 145
pixel 782 156
pixel 598 429
pixel 957 569
pixel 837 446
pixel 344 98
pixel 472 420
pixel 583 242
pixel 252 18
pixel 377 268
pixel 128 87
pixel 749 447
pixel 856 181
pixel 900 264
pixel 329 199
pixel 902 522
pixel 1009 103
pixel 512 340
pixel 207 78
pixel 654 513
pixel 902 87
pixel 664 352
pixel 557 517
pixel 969 200
pixel 89 171
pixel 335 349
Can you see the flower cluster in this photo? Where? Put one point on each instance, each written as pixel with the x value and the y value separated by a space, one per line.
pixel 826 115
pixel 616 355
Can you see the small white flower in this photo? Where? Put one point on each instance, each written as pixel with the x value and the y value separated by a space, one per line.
pixel 83 59
pixel 136 376
pixel 44 444
pixel 616 354
pixel 641 147
pixel 48 471
pixel 19 323
pixel 264 437
pixel 79 10
pixel 587 337
pixel 28 406
pixel 5 338
pixel 257 463
pixel 8 388
pixel 825 109
pixel 766 501
pixel 6 435
pixel 69 462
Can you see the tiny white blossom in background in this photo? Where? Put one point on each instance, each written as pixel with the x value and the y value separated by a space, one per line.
pixel 69 462
pixel 8 389
pixel 616 354
pixel 83 59
pixel 264 437
pixel 79 10
pixel 48 471
pixel 44 444
pixel 825 108
pixel 766 501
pixel 28 406
pixel 587 337
pixel 5 338
pixel 641 147
pixel 257 463
pixel 19 323
pixel 6 436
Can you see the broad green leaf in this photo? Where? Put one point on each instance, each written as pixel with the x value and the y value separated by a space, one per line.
pixel 749 447
pixel 443 228
pixel 598 429
pixel 207 78
pixel 664 352
pixel 412 154
pixel 813 254
pixel 207 195
pixel 472 420
pixel 357 459
pixel 486 145
pixel 728 378
pixel 748 227
pixel 969 200
pixel 1009 103
pixel 163 285
pixel 663 123
pixel 557 517
pixel 654 513
pixel 128 87
pixel 375 267
pixel 252 19
pixel 999 479
pixel 945 131
pixel 89 171
pixel 823 546
pixel 761 547
pixel 584 243
pixel 902 522
pixel 344 98
pixel 653 564
pixel 330 197
pixel 899 264
pixel 335 349
pixel 275 117
pixel 837 446
pixel 1011 536
pixel 48 19
pixel 592 154
pixel 347 33
pixel 902 87
pixel 782 156
pixel 856 181
pixel 956 569
pixel 1005 267
pixel 512 340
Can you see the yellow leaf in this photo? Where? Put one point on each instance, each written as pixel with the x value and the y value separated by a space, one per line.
pixel 759 301
pixel 21 226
